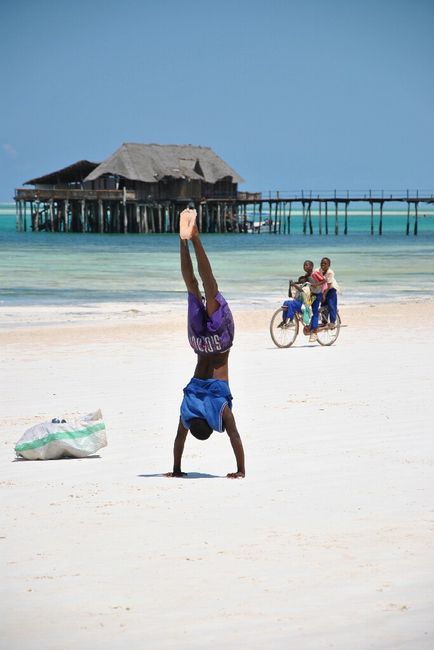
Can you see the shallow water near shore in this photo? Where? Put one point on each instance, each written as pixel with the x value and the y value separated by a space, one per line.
pixel 49 269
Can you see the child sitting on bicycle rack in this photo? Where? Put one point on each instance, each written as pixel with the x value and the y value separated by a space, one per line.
pixel 294 305
pixel 330 291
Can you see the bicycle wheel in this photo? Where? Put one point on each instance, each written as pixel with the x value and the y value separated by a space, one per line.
pixel 326 335
pixel 285 335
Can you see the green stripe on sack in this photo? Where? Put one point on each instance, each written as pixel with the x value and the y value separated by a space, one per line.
pixel 62 435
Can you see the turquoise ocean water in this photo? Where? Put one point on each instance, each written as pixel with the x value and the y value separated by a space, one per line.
pixel 253 270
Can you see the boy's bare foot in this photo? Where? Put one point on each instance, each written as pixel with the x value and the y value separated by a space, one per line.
pixel 235 475
pixel 187 223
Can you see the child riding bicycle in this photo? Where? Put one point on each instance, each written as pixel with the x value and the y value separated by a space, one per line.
pixel 307 300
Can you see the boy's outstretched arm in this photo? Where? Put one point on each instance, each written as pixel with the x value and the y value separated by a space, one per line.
pixel 178 448
pixel 237 445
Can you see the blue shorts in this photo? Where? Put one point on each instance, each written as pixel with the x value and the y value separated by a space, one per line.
pixel 206 399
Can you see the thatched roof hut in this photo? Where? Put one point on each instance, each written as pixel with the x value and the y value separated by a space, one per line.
pixel 166 171
pixel 67 176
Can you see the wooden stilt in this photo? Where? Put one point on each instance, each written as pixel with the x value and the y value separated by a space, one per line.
pixel 326 218
pixel 37 216
pixel 304 218
pixel 100 216
pixel 310 218
pixel 19 216
pixel 336 219
pixel 51 217
pixel 207 218
pixel 407 228
pixel 416 216
pixel 346 219
pixel 380 225
pixel 289 217
pixel 66 216
pixel 372 217
pixel 319 218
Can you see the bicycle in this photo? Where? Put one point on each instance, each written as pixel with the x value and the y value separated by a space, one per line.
pixel 284 334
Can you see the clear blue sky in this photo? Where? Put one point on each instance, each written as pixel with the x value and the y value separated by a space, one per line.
pixel 293 94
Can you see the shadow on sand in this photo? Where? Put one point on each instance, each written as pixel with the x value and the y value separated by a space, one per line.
pixel 19 459
pixel 189 475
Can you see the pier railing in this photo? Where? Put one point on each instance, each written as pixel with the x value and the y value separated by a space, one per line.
pixel 349 195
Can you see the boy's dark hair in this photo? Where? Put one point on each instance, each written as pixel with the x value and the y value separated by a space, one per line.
pixel 200 428
pixel 308 262
pixel 328 259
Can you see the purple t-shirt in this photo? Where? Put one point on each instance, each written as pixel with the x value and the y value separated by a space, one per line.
pixel 209 334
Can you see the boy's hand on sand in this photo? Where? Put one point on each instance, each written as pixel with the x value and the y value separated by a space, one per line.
pixel 236 475
pixel 176 474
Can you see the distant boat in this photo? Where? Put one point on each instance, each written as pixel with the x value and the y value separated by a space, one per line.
pixel 254 226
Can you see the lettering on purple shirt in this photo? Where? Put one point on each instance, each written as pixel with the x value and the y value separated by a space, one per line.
pixel 209 334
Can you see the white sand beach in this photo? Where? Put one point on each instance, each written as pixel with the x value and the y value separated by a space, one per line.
pixel 327 542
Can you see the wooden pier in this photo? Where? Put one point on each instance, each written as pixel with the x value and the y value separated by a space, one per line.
pixel 143 188
pixel 126 211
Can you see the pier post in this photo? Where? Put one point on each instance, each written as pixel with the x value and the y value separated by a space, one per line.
pixel 304 218
pixel 319 218
pixel 51 220
pixel 310 218
pixel 18 216
pixel 19 222
pixel 65 216
pixel 372 217
pixel 245 216
pixel 380 226
pixel 199 216
pixel 100 216
pixel 407 228
pixel 326 217
pixel 206 229
pixel 289 217
pixel 415 217
pixel 336 219
pixel 346 219
pixel 83 215
pixel 37 217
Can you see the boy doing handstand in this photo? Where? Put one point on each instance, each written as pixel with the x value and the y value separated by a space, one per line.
pixel 207 403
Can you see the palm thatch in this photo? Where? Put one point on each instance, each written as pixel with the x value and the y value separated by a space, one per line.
pixel 74 173
pixel 150 163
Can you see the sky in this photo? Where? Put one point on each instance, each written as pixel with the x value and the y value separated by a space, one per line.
pixel 304 94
